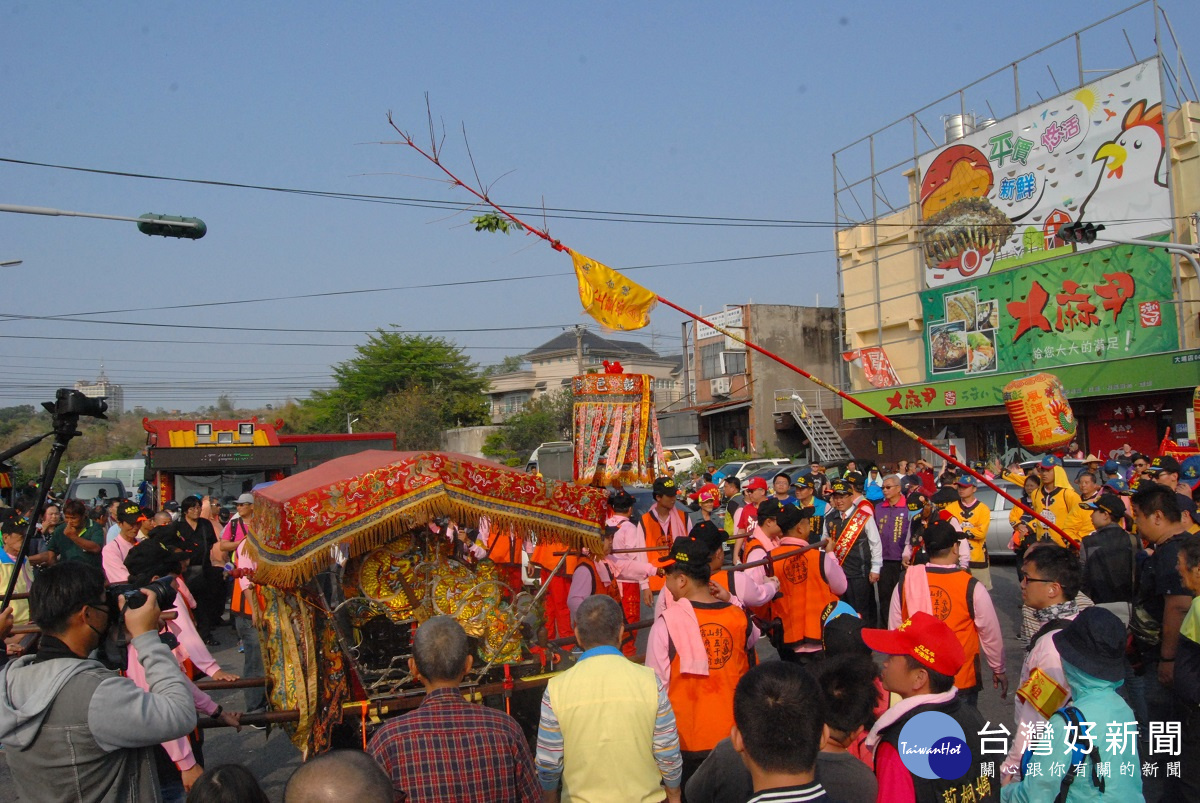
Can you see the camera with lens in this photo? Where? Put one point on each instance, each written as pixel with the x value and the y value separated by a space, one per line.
pixel 113 649
pixel 69 402
pixel 134 597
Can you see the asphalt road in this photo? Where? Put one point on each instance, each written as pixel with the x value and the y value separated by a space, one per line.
pixel 272 758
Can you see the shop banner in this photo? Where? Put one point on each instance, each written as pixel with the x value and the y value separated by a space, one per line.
pixel 875 364
pixel 996 198
pixel 1159 372
pixel 1104 304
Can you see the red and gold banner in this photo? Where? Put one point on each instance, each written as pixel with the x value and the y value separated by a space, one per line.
pixel 616 431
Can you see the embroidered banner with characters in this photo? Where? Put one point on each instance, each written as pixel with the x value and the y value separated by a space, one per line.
pixel 616 431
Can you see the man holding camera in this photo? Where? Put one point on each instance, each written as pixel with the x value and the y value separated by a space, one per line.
pixel 73 730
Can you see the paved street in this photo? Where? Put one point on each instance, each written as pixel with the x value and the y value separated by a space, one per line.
pixel 272 760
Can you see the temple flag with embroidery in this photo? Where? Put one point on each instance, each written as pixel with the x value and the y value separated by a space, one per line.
pixel 610 298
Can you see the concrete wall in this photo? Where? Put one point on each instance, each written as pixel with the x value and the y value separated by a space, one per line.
pixel 466 440
pixel 805 336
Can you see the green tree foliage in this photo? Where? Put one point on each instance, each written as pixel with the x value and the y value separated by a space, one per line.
pixel 508 365
pixel 392 363
pixel 546 418
pixel 415 415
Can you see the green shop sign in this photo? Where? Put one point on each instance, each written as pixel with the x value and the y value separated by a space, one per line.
pixel 1101 304
pixel 1107 378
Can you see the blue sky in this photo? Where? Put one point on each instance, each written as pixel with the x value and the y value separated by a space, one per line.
pixel 708 109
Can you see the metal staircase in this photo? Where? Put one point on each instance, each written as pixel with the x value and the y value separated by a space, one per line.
pixel 805 408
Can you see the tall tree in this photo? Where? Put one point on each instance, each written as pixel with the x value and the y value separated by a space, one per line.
pixel 394 362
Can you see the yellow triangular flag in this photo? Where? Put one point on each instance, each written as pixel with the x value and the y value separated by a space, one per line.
pixel 610 298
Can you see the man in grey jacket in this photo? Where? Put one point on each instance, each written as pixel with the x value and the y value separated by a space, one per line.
pixel 73 730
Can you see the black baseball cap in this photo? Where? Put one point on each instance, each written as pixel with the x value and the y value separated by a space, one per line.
pixel 940 535
pixel 804 481
pixel 1164 463
pixel 917 501
pixel 769 509
pixel 665 486
pixel 130 513
pixel 791 515
pixel 620 500
pixel 853 477
pixel 1110 504
pixel 840 486
pixel 709 534
pixel 689 551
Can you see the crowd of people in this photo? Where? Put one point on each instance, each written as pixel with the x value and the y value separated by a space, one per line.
pixel 800 632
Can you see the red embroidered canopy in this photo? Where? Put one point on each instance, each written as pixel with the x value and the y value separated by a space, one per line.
pixel 367 499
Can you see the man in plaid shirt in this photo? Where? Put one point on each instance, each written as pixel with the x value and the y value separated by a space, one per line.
pixel 449 749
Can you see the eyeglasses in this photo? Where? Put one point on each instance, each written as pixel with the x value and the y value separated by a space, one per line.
pixel 1027 579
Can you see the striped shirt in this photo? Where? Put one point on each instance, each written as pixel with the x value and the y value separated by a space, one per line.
pixel 549 758
pixel 808 793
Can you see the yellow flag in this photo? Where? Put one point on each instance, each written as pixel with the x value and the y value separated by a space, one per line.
pixel 610 298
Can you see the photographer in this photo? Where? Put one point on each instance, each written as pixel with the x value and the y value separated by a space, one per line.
pixel 73 730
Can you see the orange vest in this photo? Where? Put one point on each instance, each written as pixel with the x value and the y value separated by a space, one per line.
pixel 805 595
pixel 704 705
pixel 543 555
pixel 240 602
pixel 753 553
pixel 952 594
pixel 503 549
pixel 656 537
pixel 598 585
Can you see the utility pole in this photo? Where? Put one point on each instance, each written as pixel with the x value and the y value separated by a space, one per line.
pixel 579 330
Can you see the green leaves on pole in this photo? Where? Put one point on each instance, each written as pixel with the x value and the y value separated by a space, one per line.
pixel 165 226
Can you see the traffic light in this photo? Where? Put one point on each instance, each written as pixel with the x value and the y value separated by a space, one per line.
pixel 1080 232
pixel 166 226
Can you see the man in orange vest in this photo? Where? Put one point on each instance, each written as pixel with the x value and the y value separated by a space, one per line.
pixel 808 582
pixel 949 592
pixel 663 523
pixel 556 571
pixel 699 647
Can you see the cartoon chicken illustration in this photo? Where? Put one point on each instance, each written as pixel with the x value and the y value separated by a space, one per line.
pixel 1137 152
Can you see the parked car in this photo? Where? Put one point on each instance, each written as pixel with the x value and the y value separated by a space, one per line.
pixel 93 490
pixel 682 458
pixel 742 469
pixel 999 534
pixel 793 470
pixel 532 463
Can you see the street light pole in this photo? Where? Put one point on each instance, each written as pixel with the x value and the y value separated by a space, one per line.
pixel 163 225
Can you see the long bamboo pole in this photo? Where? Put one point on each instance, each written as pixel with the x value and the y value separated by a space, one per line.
pixel 558 246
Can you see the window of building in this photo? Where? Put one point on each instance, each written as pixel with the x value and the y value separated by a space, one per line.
pixel 734 362
pixel 710 360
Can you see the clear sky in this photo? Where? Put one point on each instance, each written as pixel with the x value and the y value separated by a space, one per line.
pixel 723 110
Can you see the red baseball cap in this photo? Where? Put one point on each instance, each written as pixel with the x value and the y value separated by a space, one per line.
pixel 924 637
pixel 756 483
pixel 707 493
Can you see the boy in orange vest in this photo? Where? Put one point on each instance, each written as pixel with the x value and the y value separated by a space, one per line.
pixel 808 582
pixel 699 647
pixel 949 592
pixel 663 523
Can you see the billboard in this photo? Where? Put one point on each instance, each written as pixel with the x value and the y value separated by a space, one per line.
pixel 995 199
pixel 1104 304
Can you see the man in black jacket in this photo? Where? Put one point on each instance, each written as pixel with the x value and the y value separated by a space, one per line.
pixel 1109 556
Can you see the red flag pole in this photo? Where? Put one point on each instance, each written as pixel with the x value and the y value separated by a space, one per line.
pixel 558 246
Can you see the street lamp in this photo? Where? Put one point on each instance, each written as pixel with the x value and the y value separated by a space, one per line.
pixel 191 228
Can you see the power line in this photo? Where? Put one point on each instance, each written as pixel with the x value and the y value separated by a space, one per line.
pixel 560 213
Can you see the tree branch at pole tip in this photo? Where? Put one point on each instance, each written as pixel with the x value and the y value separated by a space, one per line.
pixel 558 246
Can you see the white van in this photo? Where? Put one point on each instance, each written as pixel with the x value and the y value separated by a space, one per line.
pixel 129 472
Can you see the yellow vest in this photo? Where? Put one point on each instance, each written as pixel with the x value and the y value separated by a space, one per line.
pixel 975 528
pixel 606 706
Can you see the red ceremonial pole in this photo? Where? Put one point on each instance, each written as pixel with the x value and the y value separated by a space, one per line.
pixel 558 246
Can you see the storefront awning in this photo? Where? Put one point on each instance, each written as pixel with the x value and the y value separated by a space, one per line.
pixel 723 408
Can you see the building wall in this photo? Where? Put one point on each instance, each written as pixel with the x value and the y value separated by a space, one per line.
pixel 804 336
